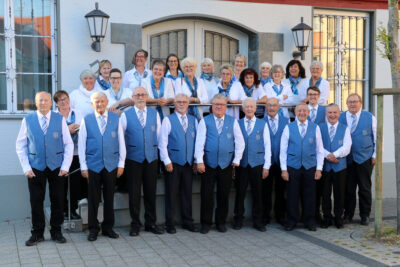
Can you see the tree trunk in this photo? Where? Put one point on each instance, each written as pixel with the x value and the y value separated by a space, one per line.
pixel 393 30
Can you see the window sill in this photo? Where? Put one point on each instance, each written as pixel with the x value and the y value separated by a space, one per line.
pixel 12 116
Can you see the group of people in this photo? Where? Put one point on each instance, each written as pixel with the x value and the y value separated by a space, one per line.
pixel 306 157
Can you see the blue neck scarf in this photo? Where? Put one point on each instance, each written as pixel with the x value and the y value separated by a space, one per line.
pixel 158 93
pixel 317 83
pixel 193 110
pixel 294 82
pixel 234 79
pixel 180 75
pixel 71 121
pixel 104 85
pixel 117 96
pixel 225 91
pixel 138 77
pixel 264 82
pixel 206 76
pixel 278 91
pixel 248 91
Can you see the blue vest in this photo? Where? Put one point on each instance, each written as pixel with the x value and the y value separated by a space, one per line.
pixel 102 151
pixel 302 151
pixel 333 146
pixel 276 138
pixel 363 143
pixel 181 144
pixel 45 150
pixel 321 115
pixel 219 148
pixel 141 143
pixel 254 151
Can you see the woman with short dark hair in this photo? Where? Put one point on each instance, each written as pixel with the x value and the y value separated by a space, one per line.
pixel 296 79
pixel 252 88
pixel 135 76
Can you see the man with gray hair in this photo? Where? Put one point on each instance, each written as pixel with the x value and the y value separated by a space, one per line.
pixel 101 149
pixel 176 144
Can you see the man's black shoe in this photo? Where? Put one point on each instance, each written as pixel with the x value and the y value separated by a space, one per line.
pixel 347 219
pixel 364 221
pixel 191 227
pixel 260 228
pixel 154 229
pixel 34 239
pixel 134 231
pixel 58 238
pixel 110 233
pixel 92 236
pixel 221 228
pixel 205 229
pixel 170 229
pixel 289 227
pixel 237 225
pixel 311 228
pixel 339 223
pixel 326 223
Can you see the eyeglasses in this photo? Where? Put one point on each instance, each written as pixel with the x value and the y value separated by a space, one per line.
pixel 181 102
pixel 115 78
pixel 172 61
pixel 140 95
pixel 353 102
pixel 313 94
pixel 62 99
pixel 140 56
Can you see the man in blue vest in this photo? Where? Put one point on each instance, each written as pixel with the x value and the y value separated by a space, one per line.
pixel 176 144
pixel 317 116
pixel 337 144
pixel 254 166
pixel 45 149
pixel 302 159
pixel 276 124
pixel 219 148
pixel 101 149
pixel 361 159
pixel 142 126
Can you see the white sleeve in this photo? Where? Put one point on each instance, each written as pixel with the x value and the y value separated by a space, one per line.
pixel 169 89
pixel 122 147
pixel 202 92
pixel 239 142
pixel 284 146
pixel 267 147
pixel 158 126
pixel 68 146
pixel 82 146
pixel 22 147
pixel 123 121
pixel 320 149
pixel 344 150
pixel 200 141
pixel 163 141
pixel 374 125
pixel 325 91
pixel 125 80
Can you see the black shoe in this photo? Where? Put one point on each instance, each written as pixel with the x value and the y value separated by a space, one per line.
pixel 289 227
pixel 237 225
pixel 154 229
pixel 191 227
pixel 318 217
pixel 364 221
pixel 260 228
pixel 205 229
pixel 221 228
pixel 339 223
pixel 58 238
pixel 110 233
pixel 92 236
pixel 311 228
pixel 134 231
pixel 170 229
pixel 326 223
pixel 34 239
pixel 280 221
pixel 347 219
pixel 75 216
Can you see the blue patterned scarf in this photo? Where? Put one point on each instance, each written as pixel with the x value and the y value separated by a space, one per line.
pixel 158 93
pixel 117 96
pixel 278 91
pixel 180 75
pixel 206 76
pixel 264 82
pixel 317 83
pixel 104 85
pixel 293 83
pixel 227 90
pixel 193 110
pixel 138 78
pixel 72 121
pixel 249 92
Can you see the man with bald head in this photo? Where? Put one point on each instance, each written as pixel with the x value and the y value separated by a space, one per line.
pixel 45 149
pixel 301 158
pixel 276 125
pixel 101 149
pixel 142 127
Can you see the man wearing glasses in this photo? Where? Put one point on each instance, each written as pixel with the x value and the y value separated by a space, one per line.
pixel 361 160
pixel 142 126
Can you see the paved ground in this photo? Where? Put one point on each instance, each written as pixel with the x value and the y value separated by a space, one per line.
pixel 247 247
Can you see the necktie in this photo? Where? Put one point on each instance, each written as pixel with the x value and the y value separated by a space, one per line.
pixel 219 126
pixel 332 132
pixel 249 127
pixel 184 123
pixel 273 125
pixel 141 117
pixel 313 114
pixel 302 130
pixel 44 124
pixel 354 123
pixel 102 123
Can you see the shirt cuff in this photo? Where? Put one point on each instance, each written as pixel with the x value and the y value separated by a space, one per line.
pixel 336 154
pixel 198 161
pixel 236 161
pixel 26 169
pixel 283 168
pixel 84 167
pixel 267 166
pixel 121 164
pixel 167 161
pixel 319 168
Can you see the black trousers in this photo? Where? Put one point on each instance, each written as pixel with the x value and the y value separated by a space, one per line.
pixel 319 189
pixel 274 181
pixel 243 178
pixel 96 181
pixel 179 182
pixel 303 181
pixel 337 180
pixel 223 179
pixel 37 192
pixel 139 174
pixel 78 186
pixel 358 175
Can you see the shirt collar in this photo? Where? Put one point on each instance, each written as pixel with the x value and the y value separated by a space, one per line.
pixel 215 117
pixel 311 107
pixel 334 125
pixel 275 118
pixel 40 115
pixel 180 115
pixel 137 110
pixel 105 114
pixel 298 122
pixel 252 119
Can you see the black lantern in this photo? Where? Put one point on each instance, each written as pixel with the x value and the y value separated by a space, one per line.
pixel 97 21
pixel 301 35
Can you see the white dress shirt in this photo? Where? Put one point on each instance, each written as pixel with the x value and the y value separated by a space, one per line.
pixel 258 92
pixel 129 80
pixel 164 133
pixel 168 93
pixel 212 90
pixel 22 144
pixel 182 88
pixel 124 122
pixel 344 150
pixel 201 141
pixel 235 93
pixel 285 142
pixel 324 88
pixel 267 141
pixel 80 100
pixel 125 93
pixel 83 138
pixel 302 87
pixel 349 120
pixel 270 92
